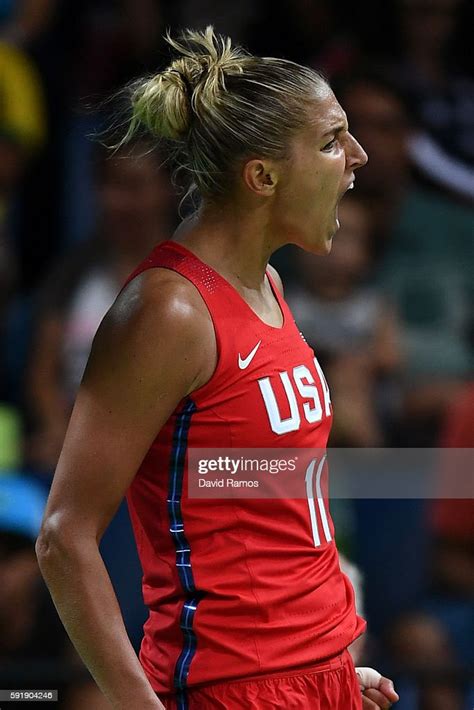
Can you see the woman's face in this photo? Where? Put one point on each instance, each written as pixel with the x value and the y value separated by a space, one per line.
pixel 319 170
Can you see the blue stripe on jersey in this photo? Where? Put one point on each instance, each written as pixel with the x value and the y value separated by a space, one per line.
pixel 183 551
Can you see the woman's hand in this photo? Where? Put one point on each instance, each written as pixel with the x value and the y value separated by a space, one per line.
pixel 378 692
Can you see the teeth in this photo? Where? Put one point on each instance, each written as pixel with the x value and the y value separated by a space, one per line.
pixel 351 186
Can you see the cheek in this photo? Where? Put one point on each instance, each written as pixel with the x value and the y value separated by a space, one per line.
pixel 328 189
pixel 313 186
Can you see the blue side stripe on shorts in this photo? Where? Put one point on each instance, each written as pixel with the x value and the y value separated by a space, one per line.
pixel 183 551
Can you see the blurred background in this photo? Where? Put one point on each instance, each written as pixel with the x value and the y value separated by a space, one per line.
pixel 389 312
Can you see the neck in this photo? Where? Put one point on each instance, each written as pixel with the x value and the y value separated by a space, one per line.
pixel 235 242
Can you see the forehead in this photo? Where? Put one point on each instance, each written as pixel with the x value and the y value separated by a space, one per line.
pixel 326 114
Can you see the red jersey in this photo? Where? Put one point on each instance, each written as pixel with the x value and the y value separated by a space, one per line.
pixel 237 588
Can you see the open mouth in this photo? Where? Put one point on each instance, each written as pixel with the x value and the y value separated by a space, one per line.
pixel 349 187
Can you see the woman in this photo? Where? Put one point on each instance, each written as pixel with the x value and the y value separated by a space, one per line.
pixel 247 607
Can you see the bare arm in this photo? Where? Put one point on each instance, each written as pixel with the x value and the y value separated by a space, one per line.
pixel 155 346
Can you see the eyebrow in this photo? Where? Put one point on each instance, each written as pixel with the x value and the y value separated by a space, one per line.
pixel 335 129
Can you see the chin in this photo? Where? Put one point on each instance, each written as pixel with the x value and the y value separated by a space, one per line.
pixel 327 247
pixel 320 248
pixel 328 241
pixel 323 245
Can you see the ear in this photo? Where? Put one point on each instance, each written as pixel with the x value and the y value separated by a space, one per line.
pixel 260 176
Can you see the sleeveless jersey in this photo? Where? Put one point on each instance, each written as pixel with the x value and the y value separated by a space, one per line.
pixel 237 588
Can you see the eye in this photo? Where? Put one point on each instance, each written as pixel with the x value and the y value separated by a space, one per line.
pixel 330 145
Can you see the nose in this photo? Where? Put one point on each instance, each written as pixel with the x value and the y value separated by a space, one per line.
pixel 356 157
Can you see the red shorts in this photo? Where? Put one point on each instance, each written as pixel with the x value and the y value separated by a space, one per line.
pixel 331 685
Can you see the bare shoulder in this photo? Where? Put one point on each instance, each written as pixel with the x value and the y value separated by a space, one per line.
pixel 163 297
pixel 152 349
pixel 276 277
pixel 159 317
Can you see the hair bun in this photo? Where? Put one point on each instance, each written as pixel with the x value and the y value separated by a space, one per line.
pixel 162 104
pixel 165 103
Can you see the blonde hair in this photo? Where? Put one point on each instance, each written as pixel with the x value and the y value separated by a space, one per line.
pixel 216 105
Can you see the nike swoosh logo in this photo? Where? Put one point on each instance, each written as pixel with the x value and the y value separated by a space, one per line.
pixel 246 362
